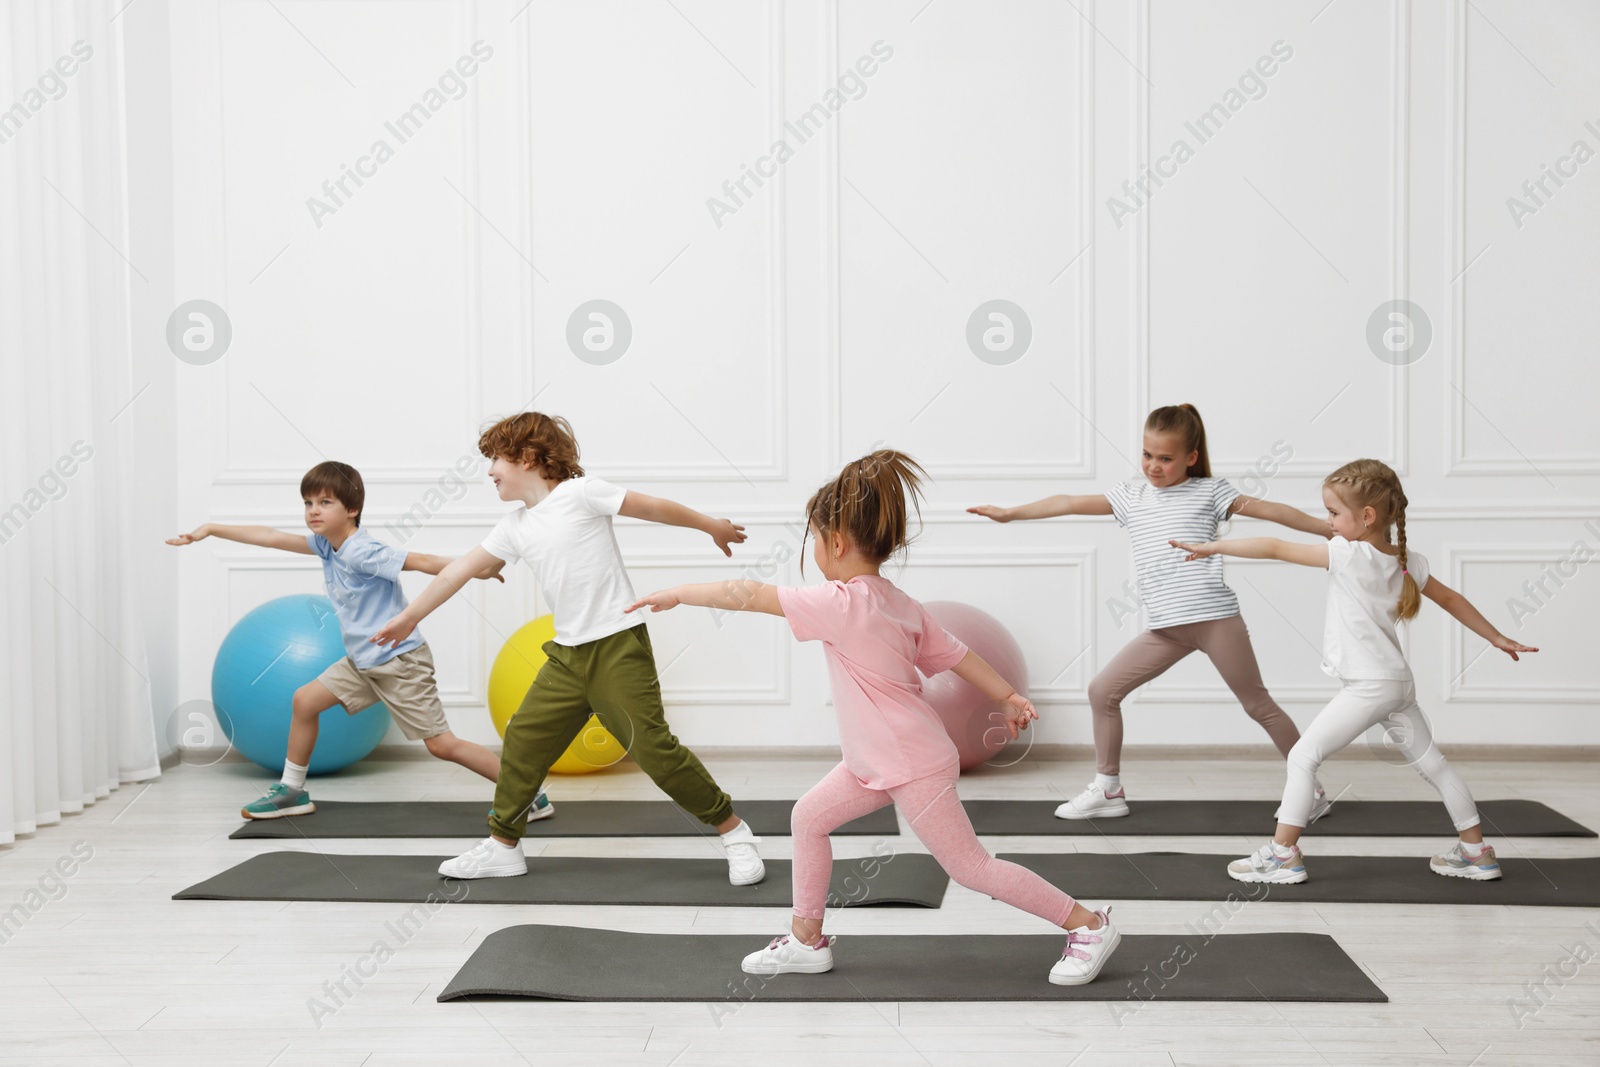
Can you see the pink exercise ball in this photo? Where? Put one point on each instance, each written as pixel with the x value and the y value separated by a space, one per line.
pixel 974 722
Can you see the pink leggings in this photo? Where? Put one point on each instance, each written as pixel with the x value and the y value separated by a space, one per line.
pixel 936 816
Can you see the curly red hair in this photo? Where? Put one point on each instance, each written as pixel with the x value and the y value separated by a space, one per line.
pixel 531 438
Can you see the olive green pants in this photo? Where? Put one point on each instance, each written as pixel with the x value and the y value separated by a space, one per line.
pixel 614 678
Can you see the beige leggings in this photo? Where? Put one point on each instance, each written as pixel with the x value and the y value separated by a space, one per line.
pixel 1149 655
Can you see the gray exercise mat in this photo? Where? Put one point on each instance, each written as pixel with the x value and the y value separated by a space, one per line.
pixel 1348 818
pixel 907 878
pixel 571 963
pixel 573 818
pixel 1563 883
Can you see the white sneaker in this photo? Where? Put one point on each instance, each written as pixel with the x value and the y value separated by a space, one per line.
pixel 1320 806
pixel 744 862
pixel 1086 952
pixel 785 955
pixel 487 859
pixel 1095 803
pixel 1265 865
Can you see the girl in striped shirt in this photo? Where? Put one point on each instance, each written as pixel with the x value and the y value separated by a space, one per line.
pixel 1187 608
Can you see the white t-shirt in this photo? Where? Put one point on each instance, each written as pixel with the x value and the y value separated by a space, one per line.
pixel 1358 638
pixel 1175 592
pixel 567 539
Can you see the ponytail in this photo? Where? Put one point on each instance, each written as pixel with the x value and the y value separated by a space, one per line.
pixel 1184 420
pixel 867 503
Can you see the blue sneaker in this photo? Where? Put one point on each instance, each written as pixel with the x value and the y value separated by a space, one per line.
pixel 279 801
pixel 1457 864
pixel 1265 865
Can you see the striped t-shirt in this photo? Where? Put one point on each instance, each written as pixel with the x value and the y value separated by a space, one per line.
pixel 1174 592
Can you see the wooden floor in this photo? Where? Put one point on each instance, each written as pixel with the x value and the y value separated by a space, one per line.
pixel 113 972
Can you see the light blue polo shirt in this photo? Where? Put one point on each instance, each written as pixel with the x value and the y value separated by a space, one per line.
pixel 363 580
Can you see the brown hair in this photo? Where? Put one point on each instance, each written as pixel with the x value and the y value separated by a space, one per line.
pixel 1184 420
pixel 1371 483
pixel 533 439
pixel 341 481
pixel 867 503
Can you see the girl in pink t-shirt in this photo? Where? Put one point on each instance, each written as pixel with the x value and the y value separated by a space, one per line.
pixel 895 748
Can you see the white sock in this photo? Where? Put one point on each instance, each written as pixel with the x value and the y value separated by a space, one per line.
pixel 1283 852
pixel 1108 783
pixel 504 847
pixel 294 775
pixel 738 832
pixel 1320 791
pixel 1473 851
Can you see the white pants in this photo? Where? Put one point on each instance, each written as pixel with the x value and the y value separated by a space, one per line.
pixel 1360 705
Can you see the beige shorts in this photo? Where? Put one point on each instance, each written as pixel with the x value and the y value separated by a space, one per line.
pixel 405 684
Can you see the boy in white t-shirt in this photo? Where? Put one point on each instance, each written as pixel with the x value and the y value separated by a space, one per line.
pixel 1372 584
pixel 600 660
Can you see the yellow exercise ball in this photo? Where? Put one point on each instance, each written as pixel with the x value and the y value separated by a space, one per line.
pixel 509 680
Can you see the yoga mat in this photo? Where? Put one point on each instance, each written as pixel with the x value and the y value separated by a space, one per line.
pixel 569 963
pixel 1349 818
pixel 573 818
pixel 1564 883
pixel 908 878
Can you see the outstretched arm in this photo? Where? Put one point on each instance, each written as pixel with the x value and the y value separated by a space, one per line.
pixel 1462 610
pixel 1259 548
pixel 975 670
pixel 431 564
pixel 657 509
pixel 457 573
pixel 264 536
pixel 1292 517
pixel 1095 504
pixel 736 594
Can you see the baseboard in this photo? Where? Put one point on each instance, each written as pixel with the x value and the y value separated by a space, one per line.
pixel 1059 753
pixel 1133 753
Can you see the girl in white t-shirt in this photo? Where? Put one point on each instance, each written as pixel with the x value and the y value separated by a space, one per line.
pixel 1372 584
pixel 1187 609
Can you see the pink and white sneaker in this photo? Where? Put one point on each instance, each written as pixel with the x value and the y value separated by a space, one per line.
pixel 786 955
pixel 1086 952
pixel 1095 803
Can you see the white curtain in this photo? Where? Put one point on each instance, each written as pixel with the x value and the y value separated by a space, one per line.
pixel 75 705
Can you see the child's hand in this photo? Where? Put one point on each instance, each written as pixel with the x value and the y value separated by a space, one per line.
pixel 989 511
pixel 662 601
pixel 200 534
pixel 493 571
pixel 1510 647
pixel 725 533
pixel 394 631
pixel 1208 548
pixel 1019 713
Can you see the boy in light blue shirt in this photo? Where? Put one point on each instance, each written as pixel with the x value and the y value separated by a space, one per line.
pixel 363 580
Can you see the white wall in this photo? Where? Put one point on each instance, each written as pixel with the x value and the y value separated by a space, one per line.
pixel 829 311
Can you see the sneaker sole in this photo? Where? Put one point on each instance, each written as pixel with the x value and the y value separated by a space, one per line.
pixel 1276 878
pixel 787 968
pixel 1470 874
pixel 1085 979
pixel 485 874
pixel 299 809
pixel 1113 813
pixel 542 813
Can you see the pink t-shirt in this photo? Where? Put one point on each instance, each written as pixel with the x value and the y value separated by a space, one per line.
pixel 876 639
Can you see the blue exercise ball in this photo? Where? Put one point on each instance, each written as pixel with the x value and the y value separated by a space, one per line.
pixel 272 651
